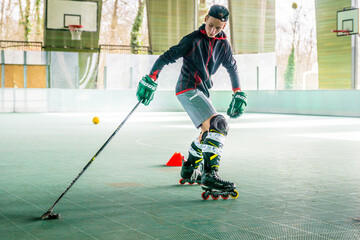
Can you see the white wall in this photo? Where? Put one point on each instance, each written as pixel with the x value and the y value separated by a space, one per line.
pixel 123 71
pixel 319 102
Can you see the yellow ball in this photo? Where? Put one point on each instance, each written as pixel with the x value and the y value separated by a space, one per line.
pixel 96 120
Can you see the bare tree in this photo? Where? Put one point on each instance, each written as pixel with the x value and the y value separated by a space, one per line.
pixel 290 69
pixel 114 21
pixel 202 11
pixel 21 14
pixel 38 18
pixel 2 16
pixel 27 24
pixel 25 18
pixel 295 29
pixel 21 20
pixel 135 35
pixel 8 14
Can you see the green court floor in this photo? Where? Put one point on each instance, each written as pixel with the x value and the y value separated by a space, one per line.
pixel 298 178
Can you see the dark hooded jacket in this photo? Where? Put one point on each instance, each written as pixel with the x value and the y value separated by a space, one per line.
pixel 202 56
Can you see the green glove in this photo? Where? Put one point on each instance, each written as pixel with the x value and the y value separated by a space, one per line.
pixel 237 105
pixel 146 89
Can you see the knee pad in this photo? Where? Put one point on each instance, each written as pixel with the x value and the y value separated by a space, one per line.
pixel 219 124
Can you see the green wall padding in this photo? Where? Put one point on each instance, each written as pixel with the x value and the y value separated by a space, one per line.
pixel 252 25
pixel 168 22
pixel 334 53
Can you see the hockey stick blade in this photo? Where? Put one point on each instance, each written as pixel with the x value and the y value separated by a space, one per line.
pixel 46 215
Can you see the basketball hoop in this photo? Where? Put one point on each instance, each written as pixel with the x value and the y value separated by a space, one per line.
pixel 75 31
pixel 345 32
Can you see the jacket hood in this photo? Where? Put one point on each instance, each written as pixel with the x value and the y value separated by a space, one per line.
pixel 220 35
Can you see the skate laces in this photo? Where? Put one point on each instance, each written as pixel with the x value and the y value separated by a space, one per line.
pixel 195 174
pixel 217 177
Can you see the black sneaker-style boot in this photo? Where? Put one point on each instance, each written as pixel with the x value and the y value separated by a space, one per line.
pixel 191 169
pixel 211 180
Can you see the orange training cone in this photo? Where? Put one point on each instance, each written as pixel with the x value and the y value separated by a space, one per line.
pixel 175 160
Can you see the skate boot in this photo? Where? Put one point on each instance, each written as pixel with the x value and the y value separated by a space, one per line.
pixel 191 169
pixel 190 174
pixel 211 181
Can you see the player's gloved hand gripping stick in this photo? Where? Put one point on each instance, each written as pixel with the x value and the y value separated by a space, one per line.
pixel 146 90
pixel 237 105
pixel 49 214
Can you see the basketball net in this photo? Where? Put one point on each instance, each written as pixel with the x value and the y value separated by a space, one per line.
pixel 75 31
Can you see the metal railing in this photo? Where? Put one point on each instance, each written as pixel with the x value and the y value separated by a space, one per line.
pixel 125 49
pixel 104 48
pixel 20 45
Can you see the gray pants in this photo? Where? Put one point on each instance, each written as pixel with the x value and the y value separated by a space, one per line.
pixel 197 105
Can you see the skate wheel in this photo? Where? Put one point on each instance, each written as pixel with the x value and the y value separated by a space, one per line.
pixel 215 196
pixel 225 196
pixel 191 182
pixel 205 196
pixel 182 181
pixel 234 194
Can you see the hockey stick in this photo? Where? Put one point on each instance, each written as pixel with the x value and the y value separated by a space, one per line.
pixel 49 214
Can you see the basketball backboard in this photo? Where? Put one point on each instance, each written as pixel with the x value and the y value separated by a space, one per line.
pixel 59 14
pixel 348 20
